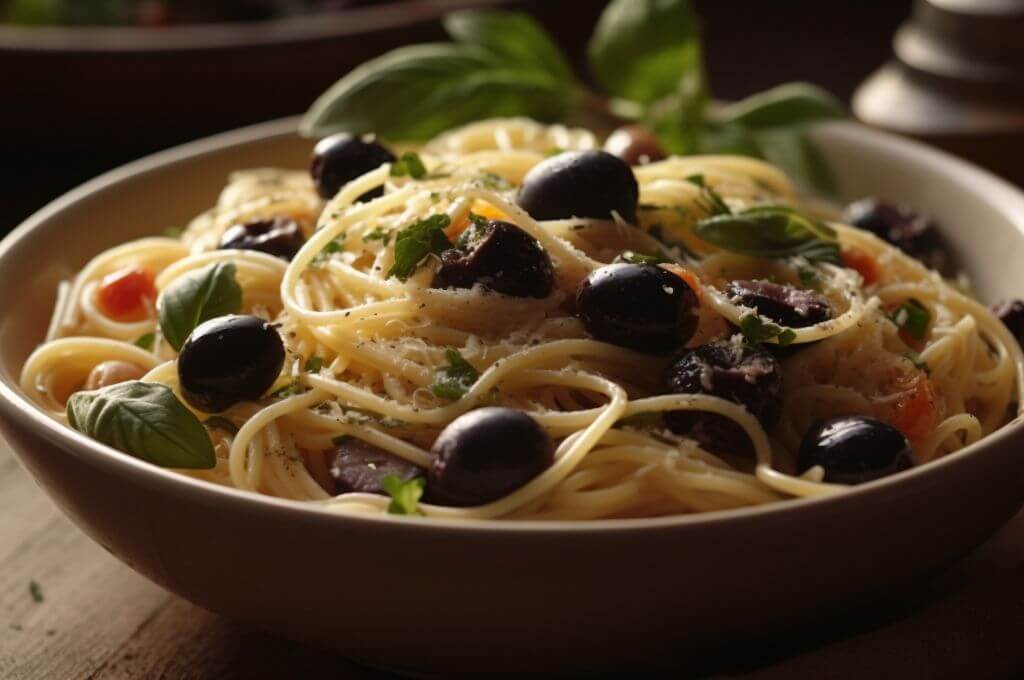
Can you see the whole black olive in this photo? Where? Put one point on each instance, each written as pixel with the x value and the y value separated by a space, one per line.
pixel 639 306
pixel 340 158
pixel 912 232
pixel 499 256
pixel 782 304
pixel 360 466
pixel 227 360
pixel 580 184
pixel 279 236
pixel 749 377
pixel 486 454
pixel 634 144
pixel 1011 313
pixel 855 449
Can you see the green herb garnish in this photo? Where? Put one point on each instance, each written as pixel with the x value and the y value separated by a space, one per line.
pixel 405 496
pixel 646 54
pixel 144 420
pixel 289 390
pixel 756 331
pixel 409 165
pixel 378 234
pixel 710 200
pixel 416 242
pixel 455 379
pixel 912 317
pixel 146 341
pixel 772 231
pixel 314 364
pixel 195 297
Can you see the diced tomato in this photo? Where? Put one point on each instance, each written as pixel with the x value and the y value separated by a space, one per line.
pixel 862 263
pixel 123 294
pixel 686 275
pixel 914 412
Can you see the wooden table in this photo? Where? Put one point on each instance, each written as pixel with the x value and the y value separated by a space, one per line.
pixel 70 610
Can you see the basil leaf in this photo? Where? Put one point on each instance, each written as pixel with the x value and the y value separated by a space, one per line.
pixel 641 50
pixel 785 105
pixel 195 297
pixel 513 37
pixel 409 165
pixel 756 331
pixel 416 92
pixel 414 243
pixel 771 232
pixel 146 341
pixel 794 153
pixel 144 420
pixel 455 379
pixel 912 317
pixel 405 496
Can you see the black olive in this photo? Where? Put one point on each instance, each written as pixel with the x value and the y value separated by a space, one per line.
pixel 782 304
pixel 855 449
pixel 912 232
pixel 227 360
pixel 634 144
pixel 580 184
pixel 486 454
pixel 279 236
pixel 499 256
pixel 340 158
pixel 1011 313
pixel 639 306
pixel 360 466
pixel 749 377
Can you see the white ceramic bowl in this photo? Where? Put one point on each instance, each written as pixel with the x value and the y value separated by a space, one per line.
pixel 453 596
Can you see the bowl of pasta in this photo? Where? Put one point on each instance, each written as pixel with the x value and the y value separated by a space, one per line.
pixel 430 406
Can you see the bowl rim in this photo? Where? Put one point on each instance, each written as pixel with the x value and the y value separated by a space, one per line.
pixel 17 408
pixel 226 35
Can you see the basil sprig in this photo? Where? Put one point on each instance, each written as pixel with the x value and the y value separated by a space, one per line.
pixel 195 297
pixel 455 379
pixel 144 420
pixel 772 231
pixel 646 54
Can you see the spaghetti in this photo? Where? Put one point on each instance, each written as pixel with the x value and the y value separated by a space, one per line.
pixel 364 348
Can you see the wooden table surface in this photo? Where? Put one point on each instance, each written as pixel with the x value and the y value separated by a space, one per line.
pixel 70 610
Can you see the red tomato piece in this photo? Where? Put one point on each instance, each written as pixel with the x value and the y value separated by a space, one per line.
pixel 123 294
pixel 862 263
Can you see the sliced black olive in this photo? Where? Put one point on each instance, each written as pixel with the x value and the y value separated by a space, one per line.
pixel 486 454
pixel 634 144
pixel 639 306
pixel 279 236
pixel 914 233
pixel 228 360
pixel 749 377
pixel 783 304
pixel 340 158
pixel 855 449
pixel 360 466
pixel 580 184
pixel 499 256
pixel 1011 313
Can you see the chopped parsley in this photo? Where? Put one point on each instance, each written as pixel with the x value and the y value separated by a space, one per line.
pixel 36 591
pixel 405 496
pixel 489 180
pixel 314 364
pixel 146 341
pixel 332 247
pixel 378 234
pixel 455 379
pixel 414 243
pixel 757 331
pixel 409 165
pixel 289 390
pixel 913 318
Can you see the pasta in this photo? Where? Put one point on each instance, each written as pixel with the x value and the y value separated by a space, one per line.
pixel 364 348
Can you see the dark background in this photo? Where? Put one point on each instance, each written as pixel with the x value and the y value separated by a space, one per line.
pixel 66 118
